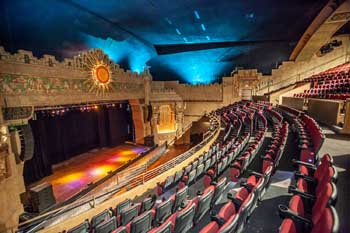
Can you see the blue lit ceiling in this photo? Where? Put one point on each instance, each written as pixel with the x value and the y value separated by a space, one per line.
pixel 194 41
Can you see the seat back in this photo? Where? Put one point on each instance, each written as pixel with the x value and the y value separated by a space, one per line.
pixel 288 226
pixel 147 204
pixel 296 205
pixel 219 168
pixel 129 214
pixel 224 163
pixel 219 189
pixel 106 226
pixel 200 159
pixel 97 219
pixel 121 206
pixel 188 168
pixel 163 211
pixel 166 227
pixel 206 156
pixel 207 164
pixel 194 164
pixel 259 189
pixel 178 175
pixel 81 228
pixel 191 176
pixel 142 223
pixel 230 225
pixel 328 196
pixel 200 170
pixel 169 180
pixel 245 210
pixel 180 198
pixel 203 204
pixel 121 229
pixel 328 223
pixel 184 220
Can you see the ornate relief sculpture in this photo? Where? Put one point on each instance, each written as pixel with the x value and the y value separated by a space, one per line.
pixel 96 64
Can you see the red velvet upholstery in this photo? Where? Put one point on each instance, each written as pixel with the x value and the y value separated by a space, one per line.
pixel 288 226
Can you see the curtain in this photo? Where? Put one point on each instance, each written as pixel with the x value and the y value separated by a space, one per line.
pixel 61 137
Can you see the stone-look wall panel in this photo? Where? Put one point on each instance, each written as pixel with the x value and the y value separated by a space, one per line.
pixel 138 119
pixel 326 111
pixel 212 92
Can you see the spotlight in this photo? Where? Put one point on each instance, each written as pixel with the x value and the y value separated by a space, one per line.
pixel 96 107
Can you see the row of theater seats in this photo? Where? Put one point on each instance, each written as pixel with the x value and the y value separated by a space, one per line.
pixel 213 160
pixel 331 84
pixel 227 151
pixel 233 216
pixel 310 136
pixel 311 208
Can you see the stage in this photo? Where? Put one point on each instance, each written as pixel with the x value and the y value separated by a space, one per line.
pixel 75 174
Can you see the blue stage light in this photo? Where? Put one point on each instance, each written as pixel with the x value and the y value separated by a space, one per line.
pixel 197 67
pixel 197 15
pixel 130 54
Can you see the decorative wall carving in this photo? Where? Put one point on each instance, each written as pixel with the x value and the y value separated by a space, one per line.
pixel 3 161
pixel 166 120
pixel 343 16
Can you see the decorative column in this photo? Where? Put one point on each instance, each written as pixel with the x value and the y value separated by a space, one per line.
pixel 147 89
pixel 346 127
pixel 179 111
pixel 154 123
pixel 11 180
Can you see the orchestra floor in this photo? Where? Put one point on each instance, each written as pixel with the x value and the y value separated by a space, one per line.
pixel 73 175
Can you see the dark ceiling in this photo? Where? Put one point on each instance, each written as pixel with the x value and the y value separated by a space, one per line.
pixel 194 41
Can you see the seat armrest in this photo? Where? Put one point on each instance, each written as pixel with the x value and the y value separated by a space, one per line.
pixel 214 182
pixel 249 187
pixel 254 173
pixel 294 190
pixel 214 217
pixel 308 165
pixel 308 179
pixel 237 202
pixel 285 212
pixel 199 193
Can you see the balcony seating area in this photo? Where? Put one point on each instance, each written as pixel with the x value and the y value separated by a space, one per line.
pixel 217 192
pixel 330 84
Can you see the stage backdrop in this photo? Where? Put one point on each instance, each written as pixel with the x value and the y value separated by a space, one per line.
pixel 61 137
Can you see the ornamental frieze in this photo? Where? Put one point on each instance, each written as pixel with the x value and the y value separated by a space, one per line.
pixel 17 84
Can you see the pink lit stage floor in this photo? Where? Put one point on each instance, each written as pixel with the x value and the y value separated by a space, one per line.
pixel 73 175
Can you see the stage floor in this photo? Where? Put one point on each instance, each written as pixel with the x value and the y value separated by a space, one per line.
pixel 73 175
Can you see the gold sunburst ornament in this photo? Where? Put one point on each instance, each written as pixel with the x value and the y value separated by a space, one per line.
pixel 100 75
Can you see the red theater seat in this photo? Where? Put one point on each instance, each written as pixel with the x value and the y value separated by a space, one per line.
pixel 328 223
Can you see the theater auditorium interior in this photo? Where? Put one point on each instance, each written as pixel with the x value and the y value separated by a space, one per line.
pixel 181 116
